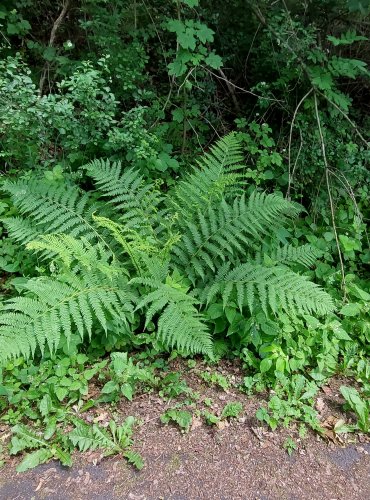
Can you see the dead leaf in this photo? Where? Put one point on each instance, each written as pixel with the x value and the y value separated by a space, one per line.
pixel 101 417
pixel 196 423
pixel 326 390
pixel 320 405
pixel 39 485
pixel 222 424
pixel 329 425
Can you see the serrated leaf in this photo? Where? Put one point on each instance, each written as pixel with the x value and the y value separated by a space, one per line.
pixel 61 393
pixel 134 458
pixel 64 457
pixel 214 61
pixel 50 428
pixel 45 405
pixel 232 409
pixel 204 33
pixel 186 39
pixel 34 459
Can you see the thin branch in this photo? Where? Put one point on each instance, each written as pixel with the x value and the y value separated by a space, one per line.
pixel 332 211
pixel 291 173
pixel 240 88
pixel 231 90
pixel 263 21
pixel 53 33
pixel 347 118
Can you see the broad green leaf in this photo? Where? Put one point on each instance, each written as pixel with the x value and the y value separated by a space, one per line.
pixel 190 3
pixel 215 311
pixel 204 33
pixel 178 115
pixel 352 309
pixel 321 78
pixel 265 365
pixel 214 61
pixel 110 387
pixel 186 39
pixel 34 459
pixel 61 393
pixel 127 390
pixel 64 457
pixel 45 405
pixel 280 365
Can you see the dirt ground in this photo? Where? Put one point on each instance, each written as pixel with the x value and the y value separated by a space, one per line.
pixel 241 460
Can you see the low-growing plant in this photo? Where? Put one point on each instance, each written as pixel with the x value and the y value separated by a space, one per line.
pixel 290 445
pixel 173 385
pixel 359 405
pixel 125 376
pixel 45 393
pixel 232 410
pixel 182 418
pixel 292 400
pixel 115 439
pixel 215 378
pixel 154 259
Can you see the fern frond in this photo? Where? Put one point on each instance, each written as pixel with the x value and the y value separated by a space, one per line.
pixel 71 250
pixel 305 255
pixel 216 176
pixel 134 200
pixel 134 458
pixel 271 288
pixel 57 306
pixel 227 230
pixel 180 324
pixel 20 230
pixel 51 208
pixel 91 437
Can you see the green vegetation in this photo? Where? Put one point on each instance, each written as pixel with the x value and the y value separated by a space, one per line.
pixel 185 179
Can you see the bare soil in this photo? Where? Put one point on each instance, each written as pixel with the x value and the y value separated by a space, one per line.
pixel 240 460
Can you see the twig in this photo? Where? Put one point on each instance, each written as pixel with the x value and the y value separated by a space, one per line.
pixel 332 211
pixel 240 88
pixel 53 33
pixel 263 21
pixel 291 173
pixel 347 118
pixel 231 89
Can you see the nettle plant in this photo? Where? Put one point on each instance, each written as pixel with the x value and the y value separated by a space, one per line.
pixel 131 256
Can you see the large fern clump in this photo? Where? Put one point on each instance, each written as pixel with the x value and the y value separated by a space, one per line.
pixel 131 254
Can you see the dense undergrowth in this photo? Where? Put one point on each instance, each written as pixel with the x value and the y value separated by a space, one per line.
pixel 180 181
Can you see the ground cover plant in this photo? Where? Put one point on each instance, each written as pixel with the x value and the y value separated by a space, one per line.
pixel 178 183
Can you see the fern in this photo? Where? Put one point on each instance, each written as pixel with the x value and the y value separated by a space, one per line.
pixel 217 176
pixel 169 254
pixel 227 231
pixel 25 438
pixel 20 229
pixel 71 250
pixel 115 439
pixel 56 306
pixel 180 324
pixel 135 201
pixel 305 255
pixel 271 288
pixel 49 208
